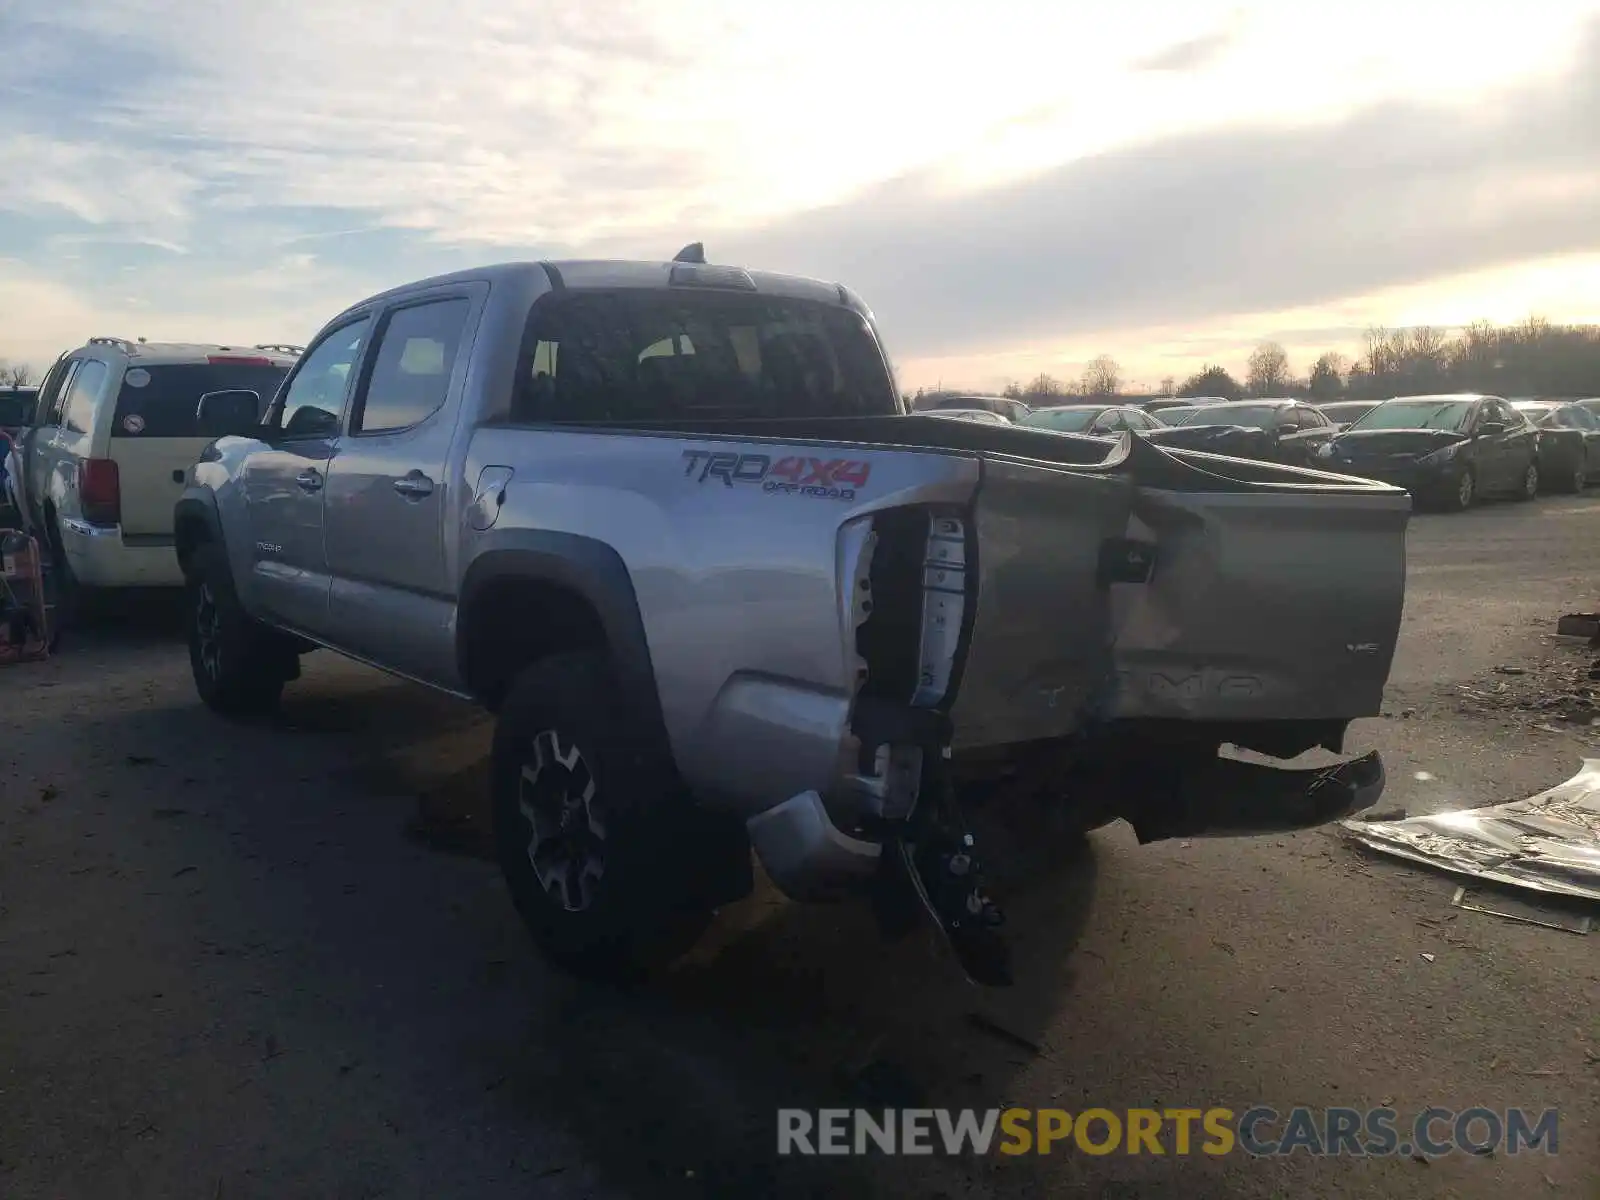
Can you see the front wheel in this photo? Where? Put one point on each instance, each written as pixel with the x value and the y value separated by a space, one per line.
pixel 590 825
pixel 1463 492
pixel 1530 482
pixel 239 665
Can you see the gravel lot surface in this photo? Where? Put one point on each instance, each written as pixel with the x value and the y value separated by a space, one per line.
pixel 229 967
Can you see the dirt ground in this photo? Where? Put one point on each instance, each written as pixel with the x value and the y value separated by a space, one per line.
pixel 232 966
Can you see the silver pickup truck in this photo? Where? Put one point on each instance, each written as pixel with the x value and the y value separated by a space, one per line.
pixel 672 524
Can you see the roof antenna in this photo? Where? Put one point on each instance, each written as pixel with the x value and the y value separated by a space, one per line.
pixel 694 252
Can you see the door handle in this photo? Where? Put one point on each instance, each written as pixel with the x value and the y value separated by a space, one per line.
pixel 309 481
pixel 414 485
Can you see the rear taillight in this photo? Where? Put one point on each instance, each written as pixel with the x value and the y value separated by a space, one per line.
pixel 99 491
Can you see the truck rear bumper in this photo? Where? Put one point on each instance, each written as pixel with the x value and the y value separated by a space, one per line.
pixel 1230 797
pixel 806 854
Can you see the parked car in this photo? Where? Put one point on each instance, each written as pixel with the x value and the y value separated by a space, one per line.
pixel 737 597
pixel 1181 402
pixel 1447 450
pixel 1287 431
pixel 16 409
pixel 1011 410
pixel 1106 420
pixel 1569 443
pixel 1592 404
pixel 981 415
pixel 1342 413
pixel 115 428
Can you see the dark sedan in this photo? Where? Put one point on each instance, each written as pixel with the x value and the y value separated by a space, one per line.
pixel 1344 413
pixel 1286 431
pixel 1569 443
pixel 1447 451
pixel 1103 420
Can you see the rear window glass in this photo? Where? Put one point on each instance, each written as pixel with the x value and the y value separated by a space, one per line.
pixel 658 355
pixel 161 401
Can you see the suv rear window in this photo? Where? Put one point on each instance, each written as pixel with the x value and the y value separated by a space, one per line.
pixel 161 401
pixel 654 355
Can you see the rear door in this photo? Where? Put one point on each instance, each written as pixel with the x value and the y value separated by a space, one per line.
pixel 389 494
pixel 156 435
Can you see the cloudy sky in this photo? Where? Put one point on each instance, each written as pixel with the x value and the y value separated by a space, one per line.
pixel 1014 186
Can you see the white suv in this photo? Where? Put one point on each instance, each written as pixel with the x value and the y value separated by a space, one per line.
pixel 114 432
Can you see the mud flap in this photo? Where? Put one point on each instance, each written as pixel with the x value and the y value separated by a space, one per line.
pixel 1230 797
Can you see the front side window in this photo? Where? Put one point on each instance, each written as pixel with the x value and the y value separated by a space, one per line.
pixel 671 354
pixel 314 401
pixel 411 372
pixel 81 395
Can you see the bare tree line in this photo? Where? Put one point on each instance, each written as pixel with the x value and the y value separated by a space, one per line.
pixel 15 374
pixel 1532 358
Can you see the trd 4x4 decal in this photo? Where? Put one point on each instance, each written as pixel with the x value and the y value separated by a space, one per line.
pixel 799 475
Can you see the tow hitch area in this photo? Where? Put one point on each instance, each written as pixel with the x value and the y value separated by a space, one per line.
pixel 933 867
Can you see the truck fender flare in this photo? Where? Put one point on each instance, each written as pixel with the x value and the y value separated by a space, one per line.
pixel 591 570
pixel 195 505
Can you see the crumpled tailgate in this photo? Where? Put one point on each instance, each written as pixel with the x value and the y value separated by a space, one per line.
pixel 1268 604
pixel 1161 586
pixel 1041 640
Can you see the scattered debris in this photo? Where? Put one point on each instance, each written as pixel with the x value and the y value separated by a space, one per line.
pixel 1503 670
pixel 978 1021
pixel 1583 625
pixel 1549 842
pixel 140 760
pixel 1427 958
pixel 1546 918
pixel 48 792
pixel 1424 777
pixel 1561 684
pixel 184 871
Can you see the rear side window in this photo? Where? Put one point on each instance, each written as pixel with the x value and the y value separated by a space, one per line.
pixel 411 370
pixel 658 355
pixel 161 401
pixel 82 393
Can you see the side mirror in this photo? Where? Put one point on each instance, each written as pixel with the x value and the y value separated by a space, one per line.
pixel 1492 427
pixel 1288 427
pixel 232 413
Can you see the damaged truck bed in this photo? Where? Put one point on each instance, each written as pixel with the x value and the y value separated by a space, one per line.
pixel 672 524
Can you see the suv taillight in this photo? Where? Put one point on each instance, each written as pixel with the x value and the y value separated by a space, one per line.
pixel 99 491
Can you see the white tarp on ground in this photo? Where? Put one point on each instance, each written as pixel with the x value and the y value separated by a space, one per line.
pixel 1547 843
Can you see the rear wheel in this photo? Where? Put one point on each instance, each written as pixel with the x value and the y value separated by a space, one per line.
pixel 1530 482
pixel 590 825
pixel 239 665
pixel 1577 480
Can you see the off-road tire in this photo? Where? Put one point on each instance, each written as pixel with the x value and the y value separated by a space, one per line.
pixel 239 665
pixel 566 714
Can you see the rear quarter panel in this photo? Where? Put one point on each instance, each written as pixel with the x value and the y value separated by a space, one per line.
pixel 739 584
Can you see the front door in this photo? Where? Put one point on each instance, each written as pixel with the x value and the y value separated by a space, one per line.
pixel 284 483
pixel 389 494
